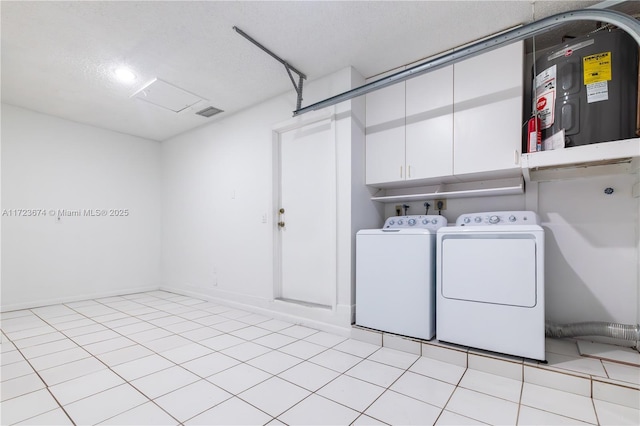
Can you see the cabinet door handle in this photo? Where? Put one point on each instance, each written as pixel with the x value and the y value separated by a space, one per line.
pixel 516 156
pixel 401 172
pixel 409 170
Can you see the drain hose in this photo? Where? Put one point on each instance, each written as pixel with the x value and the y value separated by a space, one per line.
pixel 607 329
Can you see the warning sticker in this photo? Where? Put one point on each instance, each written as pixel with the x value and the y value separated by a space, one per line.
pixel 546 96
pixel 545 107
pixel 597 67
pixel 546 78
pixel 597 92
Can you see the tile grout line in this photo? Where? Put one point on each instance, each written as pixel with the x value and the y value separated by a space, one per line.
pixel 46 387
pixel 332 380
pixel 520 398
pixel 388 388
pixel 88 396
pixel 172 306
pixel 303 360
pixel 109 368
pixel 220 351
pixel 457 385
pixel 271 374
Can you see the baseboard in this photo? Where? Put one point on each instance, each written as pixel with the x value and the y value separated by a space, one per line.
pixel 77 298
pixel 317 318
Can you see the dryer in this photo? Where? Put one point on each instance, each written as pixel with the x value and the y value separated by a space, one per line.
pixel 490 283
pixel 395 275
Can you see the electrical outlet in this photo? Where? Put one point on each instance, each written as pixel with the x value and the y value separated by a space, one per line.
pixel 440 204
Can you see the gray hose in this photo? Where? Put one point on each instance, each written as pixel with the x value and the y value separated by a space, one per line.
pixel 607 329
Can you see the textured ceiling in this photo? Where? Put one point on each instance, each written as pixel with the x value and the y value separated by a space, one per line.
pixel 57 57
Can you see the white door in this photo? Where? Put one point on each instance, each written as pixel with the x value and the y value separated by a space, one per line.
pixel 307 229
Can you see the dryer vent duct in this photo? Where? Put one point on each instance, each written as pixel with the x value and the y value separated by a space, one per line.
pixel 209 112
pixel 605 329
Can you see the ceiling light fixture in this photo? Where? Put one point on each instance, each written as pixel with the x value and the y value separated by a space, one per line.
pixel 124 75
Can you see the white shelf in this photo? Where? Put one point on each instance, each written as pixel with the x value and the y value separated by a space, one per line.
pixel 456 190
pixel 604 158
pixel 586 160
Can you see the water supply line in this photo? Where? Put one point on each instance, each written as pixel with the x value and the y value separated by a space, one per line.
pixel 604 329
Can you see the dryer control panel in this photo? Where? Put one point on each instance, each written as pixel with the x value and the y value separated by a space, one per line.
pixel 498 218
pixel 415 221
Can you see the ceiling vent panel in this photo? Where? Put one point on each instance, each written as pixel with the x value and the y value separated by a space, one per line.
pixel 167 96
pixel 209 112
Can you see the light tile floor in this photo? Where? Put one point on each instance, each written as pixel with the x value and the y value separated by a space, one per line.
pixel 166 359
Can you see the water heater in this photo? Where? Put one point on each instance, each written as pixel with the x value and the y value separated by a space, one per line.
pixel 588 87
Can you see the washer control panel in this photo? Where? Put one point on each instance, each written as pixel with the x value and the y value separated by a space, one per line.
pixel 498 218
pixel 415 221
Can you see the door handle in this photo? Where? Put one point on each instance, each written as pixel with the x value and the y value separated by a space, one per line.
pixel 281 213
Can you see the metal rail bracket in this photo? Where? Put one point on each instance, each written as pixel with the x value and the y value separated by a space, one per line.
pixel 289 68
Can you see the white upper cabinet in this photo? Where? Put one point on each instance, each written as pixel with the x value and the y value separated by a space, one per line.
pixel 488 96
pixel 385 119
pixel 429 125
pixel 410 129
pixel 385 156
pixel 463 120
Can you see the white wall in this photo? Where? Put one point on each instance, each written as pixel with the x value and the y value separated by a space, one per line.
pixel 50 163
pixel 365 214
pixel 591 249
pixel 357 211
pixel 218 184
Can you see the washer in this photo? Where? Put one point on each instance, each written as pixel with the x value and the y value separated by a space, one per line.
pixel 490 283
pixel 395 275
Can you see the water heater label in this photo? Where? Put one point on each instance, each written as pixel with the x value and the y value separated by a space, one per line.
pixel 597 92
pixel 597 67
pixel 546 96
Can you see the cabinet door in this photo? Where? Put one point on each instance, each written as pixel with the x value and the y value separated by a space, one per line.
pixel 488 111
pixel 429 125
pixel 385 133
pixel 385 156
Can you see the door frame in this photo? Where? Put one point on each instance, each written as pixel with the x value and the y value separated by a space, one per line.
pixel 326 114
